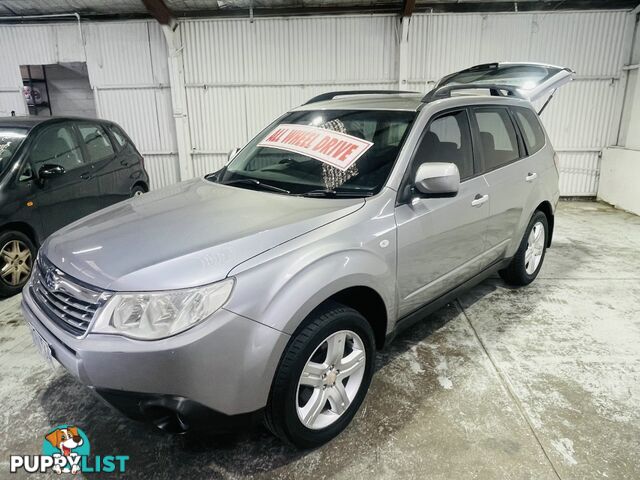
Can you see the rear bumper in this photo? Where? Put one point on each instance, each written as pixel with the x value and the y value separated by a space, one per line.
pixel 226 363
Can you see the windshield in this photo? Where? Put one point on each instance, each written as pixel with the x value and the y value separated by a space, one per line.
pixel 332 152
pixel 10 140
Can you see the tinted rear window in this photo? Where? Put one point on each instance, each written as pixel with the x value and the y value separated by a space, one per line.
pixel 531 129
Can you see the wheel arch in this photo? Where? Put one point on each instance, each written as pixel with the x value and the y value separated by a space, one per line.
pixel 24 228
pixel 142 184
pixel 546 208
pixel 369 303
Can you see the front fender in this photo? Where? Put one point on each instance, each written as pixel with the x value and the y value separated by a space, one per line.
pixel 281 293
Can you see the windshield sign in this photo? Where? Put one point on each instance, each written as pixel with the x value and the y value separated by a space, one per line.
pixel 336 153
pixel 337 149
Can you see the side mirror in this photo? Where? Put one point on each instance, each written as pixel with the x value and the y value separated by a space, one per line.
pixel 49 170
pixel 437 179
pixel 231 155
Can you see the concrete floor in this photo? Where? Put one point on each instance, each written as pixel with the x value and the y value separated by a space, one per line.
pixel 536 383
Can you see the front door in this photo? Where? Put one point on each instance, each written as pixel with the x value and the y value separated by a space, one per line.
pixel 67 197
pixel 441 241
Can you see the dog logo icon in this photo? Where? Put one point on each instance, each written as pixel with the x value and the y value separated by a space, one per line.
pixel 66 444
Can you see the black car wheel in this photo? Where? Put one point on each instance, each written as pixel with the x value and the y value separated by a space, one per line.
pixel 137 191
pixel 17 255
pixel 323 377
pixel 527 261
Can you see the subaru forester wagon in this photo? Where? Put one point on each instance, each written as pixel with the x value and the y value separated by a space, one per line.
pixel 262 291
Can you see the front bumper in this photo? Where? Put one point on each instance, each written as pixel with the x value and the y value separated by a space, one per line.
pixel 225 363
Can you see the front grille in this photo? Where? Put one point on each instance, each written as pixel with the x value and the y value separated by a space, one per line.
pixel 67 302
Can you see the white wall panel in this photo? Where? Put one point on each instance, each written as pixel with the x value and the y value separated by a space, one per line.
pixel 163 170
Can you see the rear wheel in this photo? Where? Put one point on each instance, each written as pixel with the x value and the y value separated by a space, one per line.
pixel 17 254
pixel 322 378
pixel 137 190
pixel 526 263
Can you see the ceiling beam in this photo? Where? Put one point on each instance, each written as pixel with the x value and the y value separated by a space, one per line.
pixel 408 8
pixel 159 10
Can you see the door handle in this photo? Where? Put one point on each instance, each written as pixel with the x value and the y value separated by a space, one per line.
pixel 531 177
pixel 479 200
pixel 85 176
pixel 124 163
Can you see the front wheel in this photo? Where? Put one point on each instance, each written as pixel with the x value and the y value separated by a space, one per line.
pixel 323 377
pixel 526 263
pixel 17 254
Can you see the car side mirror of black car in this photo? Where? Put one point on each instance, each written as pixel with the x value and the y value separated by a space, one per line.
pixel 49 170
pixel 437 179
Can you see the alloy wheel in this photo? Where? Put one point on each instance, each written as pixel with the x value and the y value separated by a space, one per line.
pixel 18 262
pixel 330 379
pixel 535 248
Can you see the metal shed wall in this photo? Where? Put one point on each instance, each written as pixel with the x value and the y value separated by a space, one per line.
pixel 240 75
pixel 127 65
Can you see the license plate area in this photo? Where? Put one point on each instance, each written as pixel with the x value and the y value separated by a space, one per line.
pixel 44 349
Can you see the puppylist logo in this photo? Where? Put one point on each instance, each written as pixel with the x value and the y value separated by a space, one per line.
pixel 66 449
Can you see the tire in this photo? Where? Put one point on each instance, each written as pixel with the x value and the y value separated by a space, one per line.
pixel 520 271
pixel 288 401
pixel 17 256
pixel 137 190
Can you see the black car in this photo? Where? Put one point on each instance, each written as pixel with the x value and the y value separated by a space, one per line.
pixel 54 171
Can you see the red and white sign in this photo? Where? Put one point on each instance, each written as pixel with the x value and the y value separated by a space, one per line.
pixel 337 149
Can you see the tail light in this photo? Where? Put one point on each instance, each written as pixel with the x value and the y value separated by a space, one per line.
pixel 556 160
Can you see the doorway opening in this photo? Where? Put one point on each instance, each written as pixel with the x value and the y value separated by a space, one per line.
pixel 61 89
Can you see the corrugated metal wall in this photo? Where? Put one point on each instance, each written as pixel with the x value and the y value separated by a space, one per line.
pixel 127 64
pixel 241 75
pixel 582 117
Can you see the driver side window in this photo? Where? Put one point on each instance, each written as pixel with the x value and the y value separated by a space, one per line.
pixel 57 145
pixel 447 139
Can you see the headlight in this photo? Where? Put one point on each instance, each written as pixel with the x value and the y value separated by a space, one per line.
pixel 154 315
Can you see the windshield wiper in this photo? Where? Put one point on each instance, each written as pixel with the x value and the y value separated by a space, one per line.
pixel 336 193
pixel 256 183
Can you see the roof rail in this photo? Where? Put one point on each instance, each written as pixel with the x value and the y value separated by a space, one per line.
pixel 495 89
pixel 332 95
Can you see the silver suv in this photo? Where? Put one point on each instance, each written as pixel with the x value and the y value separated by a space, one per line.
pixel 262 291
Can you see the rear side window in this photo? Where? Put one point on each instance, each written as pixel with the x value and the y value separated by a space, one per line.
pixel 98 144
pixel 447 139
pixel 498 139
pixel 531 129
pixel 119 135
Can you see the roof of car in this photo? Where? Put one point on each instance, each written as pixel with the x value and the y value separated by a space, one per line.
pixel 30 122
pixel 399 101
pixel 394 101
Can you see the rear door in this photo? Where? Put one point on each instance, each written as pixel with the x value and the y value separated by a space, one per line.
pixel 531 81
pixel 506 170
pixel 62 199
pixel 130 163
pixel 101 154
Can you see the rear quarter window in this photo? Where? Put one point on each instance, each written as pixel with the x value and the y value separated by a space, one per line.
pixel 531 129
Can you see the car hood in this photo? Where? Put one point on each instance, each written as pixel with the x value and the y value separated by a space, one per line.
pixel 189 234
